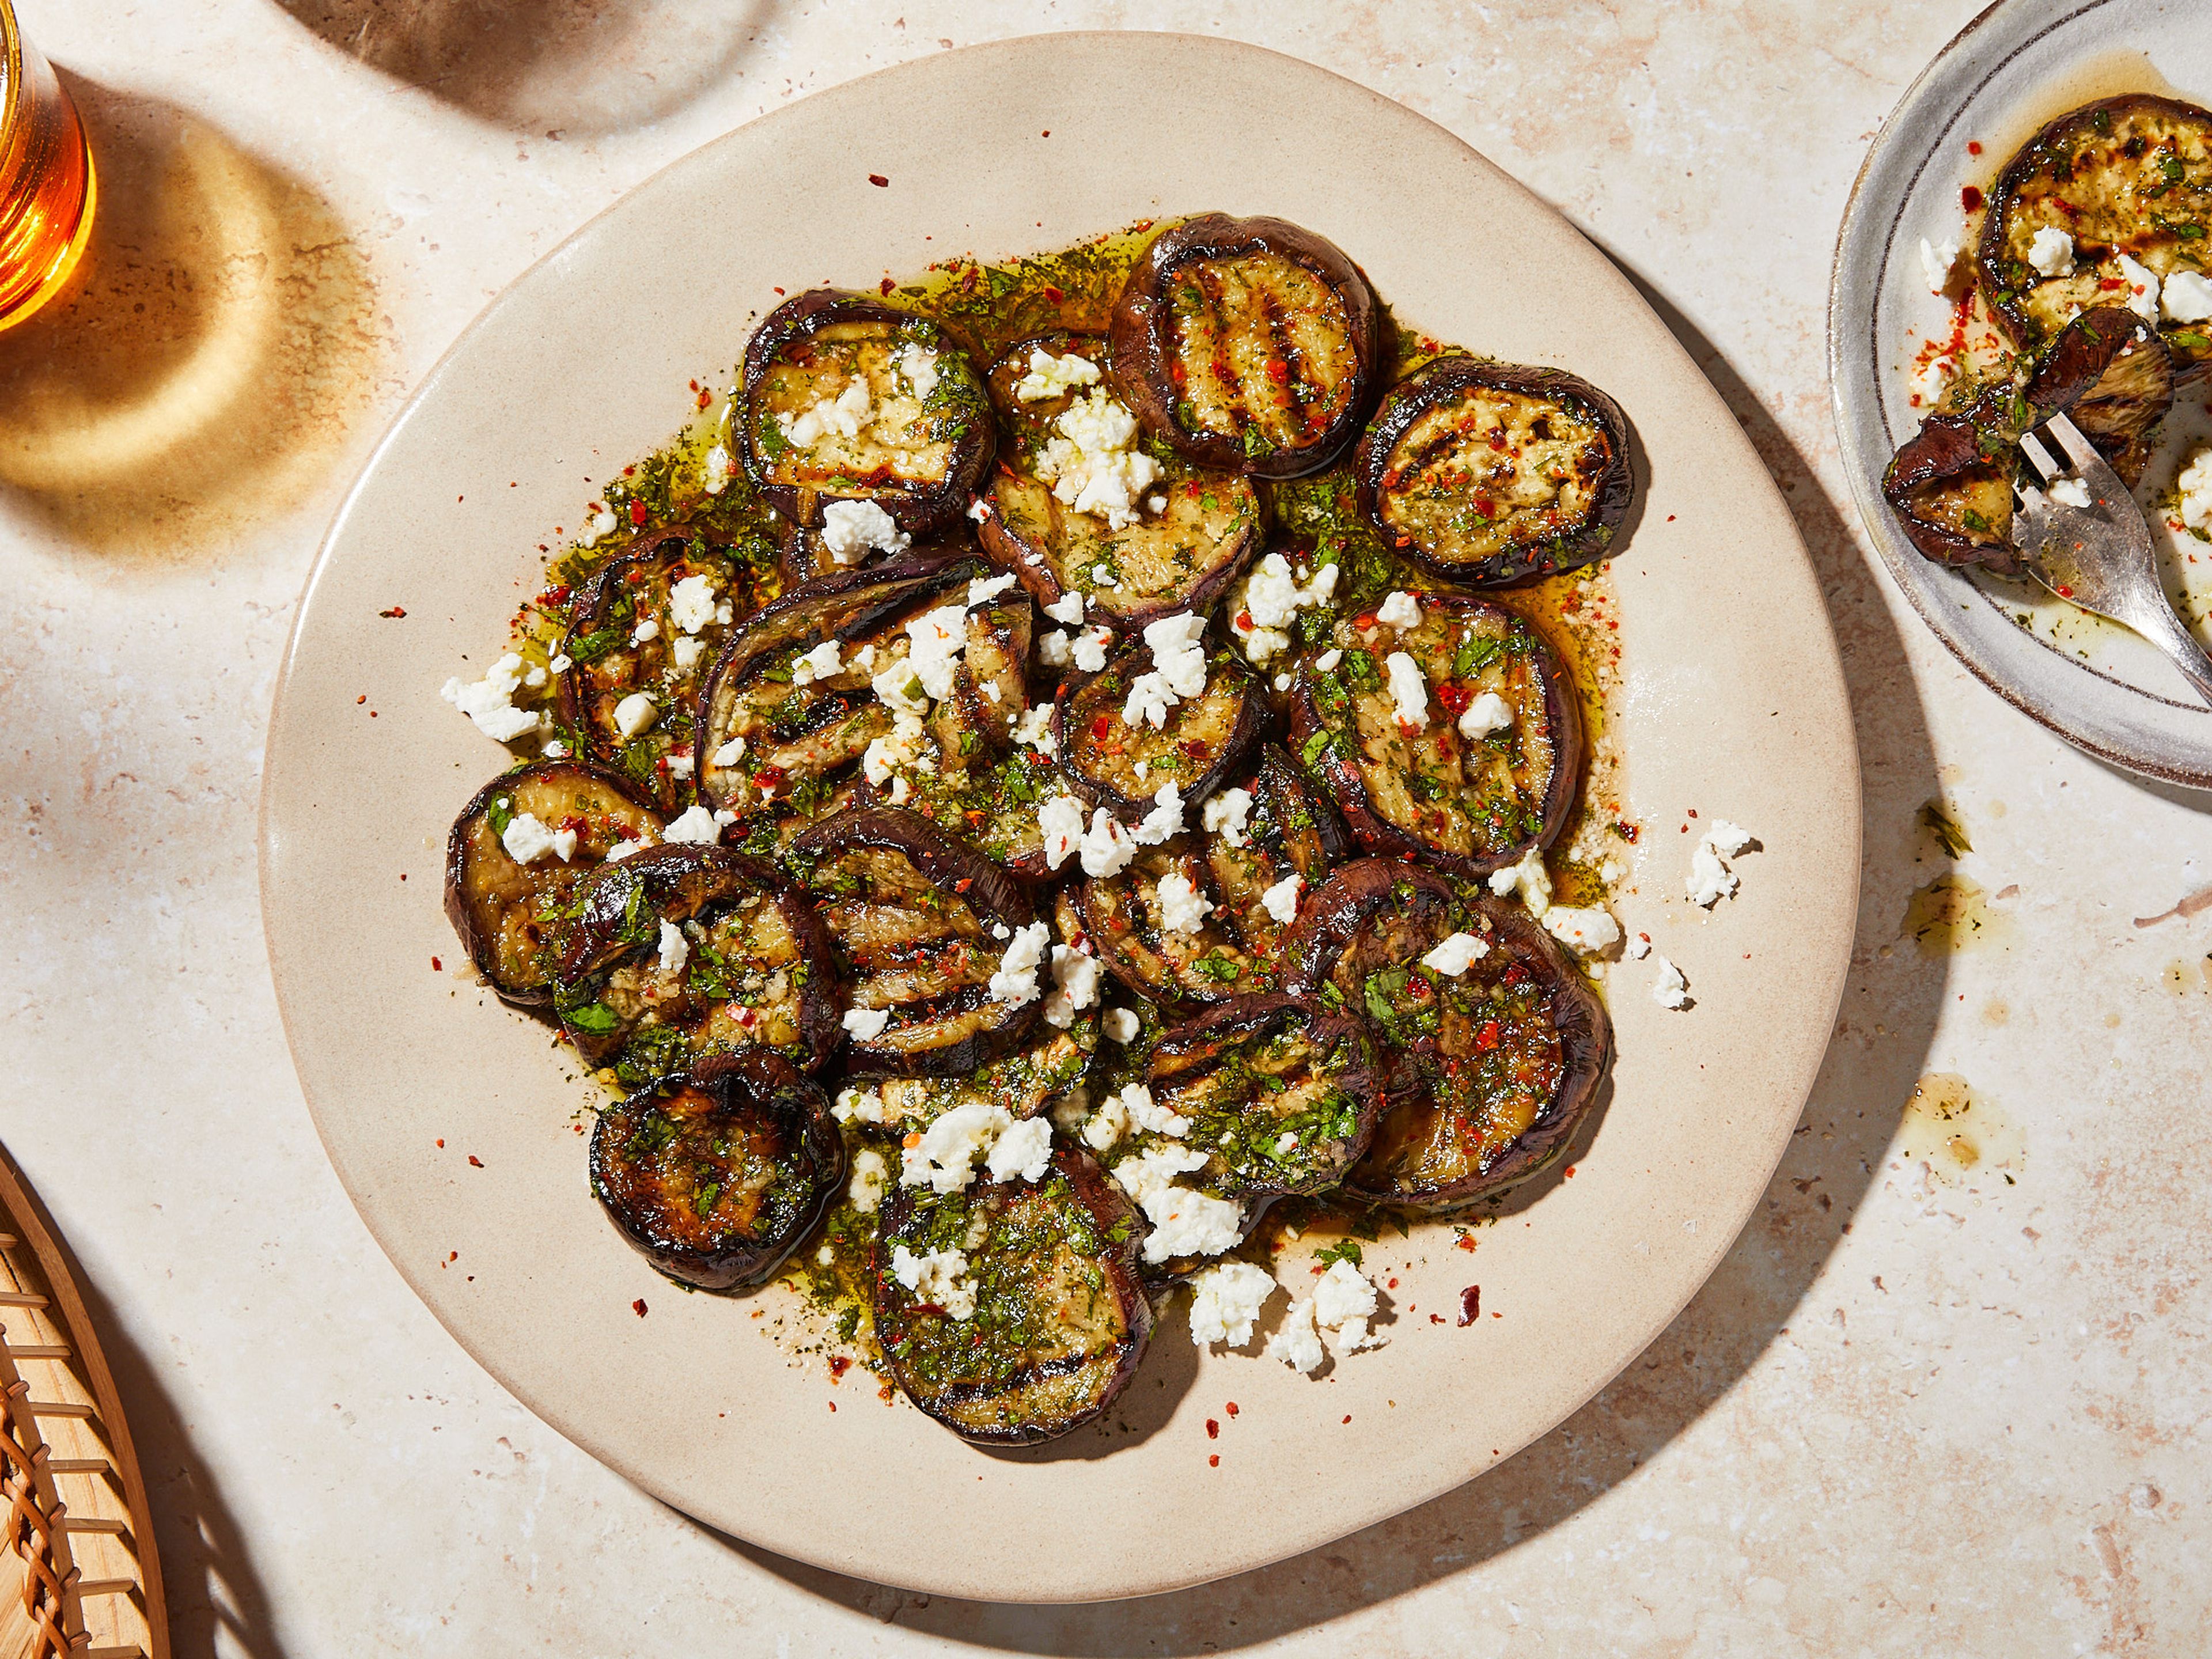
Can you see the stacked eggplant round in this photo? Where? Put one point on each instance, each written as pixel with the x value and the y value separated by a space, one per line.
pixel 1010 837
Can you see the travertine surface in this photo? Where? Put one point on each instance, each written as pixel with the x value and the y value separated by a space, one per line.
pixel 1919 1409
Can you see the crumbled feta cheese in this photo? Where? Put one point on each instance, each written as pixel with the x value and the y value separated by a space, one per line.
pixel 1059 820
pixel 694 825
pixel 866 1023
pixel 1069 1110
pixel 1329 659
pixel 1533 880
pixel 1728 839
pixel 1273 600
pixel 1226 815
pixel 1486 713
pixel 555 750
pixel 1142 769
pixel 1184 1222
pixel 1281 901
pixel 647 629
pixel 1093 466
pixel 1015 984
pixel 1935 262
pixel 1075 986
pixel 2187 298
pixel 1226 1301
pixel 1106 846
pixel 1343 1302
pixel 1149 1115
pixel 1929 379
pixel 1672 990
pixel 2142 289
pixel 1182 909
pixel 938 1278
pixel 716 470
pixel 980 509
pixel 1710 880
pixel 1400 610
pixel 601 525
pixel 534 678
pixel 1149 701
pixel 1089 648
pixel 1409 690
pixel 2051 252
pixel 1121 1024
pixel 622 850
pixel 1033 729
pixel 490 702
pixel 684 652
pixel 527 840
pixel 819 664
pixel 984 589
pixel 1022 1152
pixel 938 638
pixel 919 364
pixel 2070 492
pixel 675 949
pixel 1107 1125
pixel 1068 608
pixel 850 529
pixel 560 664
pixel 1049 376
pixel 1452 956
pixel 1590 931
pixel 844 415
pixel 1053 648
pixel 1165 821
pixel 871 1175
pixel 634 713
pixel 1296 1343
pixel 857 1105
pixel 2195 485
pixel 1639 946
pixel 729 754
pixel 943 1158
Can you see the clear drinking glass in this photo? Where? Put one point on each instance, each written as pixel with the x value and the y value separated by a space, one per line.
pixel 46 183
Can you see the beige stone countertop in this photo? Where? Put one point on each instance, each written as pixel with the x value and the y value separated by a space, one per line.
pixel 1917 1409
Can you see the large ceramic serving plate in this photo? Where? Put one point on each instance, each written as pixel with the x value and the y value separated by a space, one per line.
pixel 2017 65
pixel 1732 704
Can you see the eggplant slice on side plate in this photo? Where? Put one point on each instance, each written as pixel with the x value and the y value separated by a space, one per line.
pixel 1247 345
pixel 1270 830
pixel 923 926
pixel 1457 741
pixel 683 951
pixel 1122 765
pixel 1280 1094
pixel 1951 483
pixel 1485 473
pixel 717 1174
pixel 849 400
pixel 1491 1069
pixel 1012 1312
pixel 507 912
pixel 648 625
pixel 1151 537
pixel 2127 179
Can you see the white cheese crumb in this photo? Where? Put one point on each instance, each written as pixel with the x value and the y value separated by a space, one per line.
pixel 1107 1125
pixel 1672 990
pixel 850 529
pixel 1296 1343
pixel 1935 262
pixel 871 1175
pixel 634 713
pixel 675 949
pixel 1184 1222
pixel 534 678
pixel 490 702
pixel 844 415
pixel 694 825
pixel 1710 880
pixel 1024 1152
pixel 1049 376
pixel 938 1278
pixel 1059 820
pixel 919 364
pixel 1092 464
pixel 857 1105
pixel 866 1023
pixel 1120 1024
pixel 1639 946
pixel 1075 986
pixel 1590 931
pixel 819 664
pixel 1182 909
pixel 1226 1301
pixel 1165 821
pixel 1053 648
pixel 2070 492
pixel 1106 846
pixel 716 470
pixel 729 754
pixel 2142 289
pixel 1343 1300
pixel 1226 815
pixel 622 850
pixel 1329 659
pixel 1409 690
pixel 1486 713
pixel 943 1158
pixel 1400 610
pixel 1147 1115
pixel 1530 877
pixel 1015 983
pixel 2188 297
pixel 1068 608
pixel 1033 728
pixel 601 525
pixel 555 750
pixel 1453 957
pixel 1281 901
pixel 527 840
pixel 647 629
pixel 684 652
pixel 1273 600
pixel 2051 252
pixel 1089 648
pixel 984 589
pixel 2195 485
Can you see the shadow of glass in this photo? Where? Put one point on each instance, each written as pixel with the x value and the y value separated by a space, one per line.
pixel 1760 1285
pixel 552 66
pixel 210 357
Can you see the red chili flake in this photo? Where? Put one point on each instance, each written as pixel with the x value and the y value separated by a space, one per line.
pixel 1213 1429
pixel 705 398
pixel 1435 1319
pixel 1486 1038
pixel 441 1141
pixel 1232 1408
pixel 1392 1286
pixel 1278 371
pixel 558 594
pixel 475 1162
pixel 1454 696
pixel 1050 292
pixel 1973 147
pixel 694 385
pixel 1470 1305
pixel 878 180
pixel 2065 592
pixel 770 777
pixel 1193 749
pixel 396 610
pixel 1628 831
pixel 362 698
pixel 636 511
pixel 839 1365
pixel 1364 622
pixel 1694 812
pixel 1485 505
pixel 963 883
pixel 886 287
pixel 1347 1417
pixel 1214 1462
pixel 1101 727
pixel 1177 373
pixel 638 1307
pixel 833 1405
pixel 436 966
pixel 1571 1172
pixel 1970 198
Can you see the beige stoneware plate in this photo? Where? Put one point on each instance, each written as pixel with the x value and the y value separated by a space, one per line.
pixel 1733 704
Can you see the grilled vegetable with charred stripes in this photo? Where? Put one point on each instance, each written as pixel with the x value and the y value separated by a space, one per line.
pixel 1122 765
pixel 715 1175
pixel 1026 1083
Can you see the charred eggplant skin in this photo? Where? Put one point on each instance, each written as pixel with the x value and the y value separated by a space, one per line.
pixel 716 1175
pixel 1145 356
pixel 1550 541
pixel 917 506
pixel 1018 1399
pixel 1091 732
pixel 474 856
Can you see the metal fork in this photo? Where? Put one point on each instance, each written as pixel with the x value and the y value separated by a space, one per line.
pixel 2100 556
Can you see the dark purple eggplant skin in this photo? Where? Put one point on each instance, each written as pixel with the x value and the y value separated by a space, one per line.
pixel 681 881
pixel 1107 691
pixel 1109 1209
pixel 1141 337
pixel 846 606
pixel 759 1087
pixel 986 887
pixel 796 319
pixel 1612 490
pixel 1387 914
pixel 468 925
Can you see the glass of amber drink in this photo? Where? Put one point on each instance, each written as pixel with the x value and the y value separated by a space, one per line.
pixel 46 187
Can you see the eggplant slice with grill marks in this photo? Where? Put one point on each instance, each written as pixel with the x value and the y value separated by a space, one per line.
pixel 1012 1312
pixel 1123 765
pixel 850 400
pixel 716 1173
pixel 1155 538
pixel 508 913
pixel 1026 1083
pixel 1486 473
pixel 1247 345
pixel 2127 178
pixel 1950 484
pixel 683 951
pixel 924 927
pixel 679 590
pixel 1492 1070
pixel 1281 1096
pixel 1480 772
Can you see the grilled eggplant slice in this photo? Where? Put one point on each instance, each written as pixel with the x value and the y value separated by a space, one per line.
pixel 922 926
pixel 1026 1083
pixel 507 913
pixel 1486 473
pixel 1249 345
pixel 610 663
pixel 683 951
pixel 716 1175
pixel 1492 1070
pixel 848 400
pixel 1280 1096
pixel 2128 177
pixel 1235 950
pixel 1123 766
pixel 1427 790
pixel 1029 1317
pixel 1950 485
pixel 1180 553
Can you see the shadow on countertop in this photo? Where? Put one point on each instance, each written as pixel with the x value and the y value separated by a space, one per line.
pixel 559 67
pixel 1750 1300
